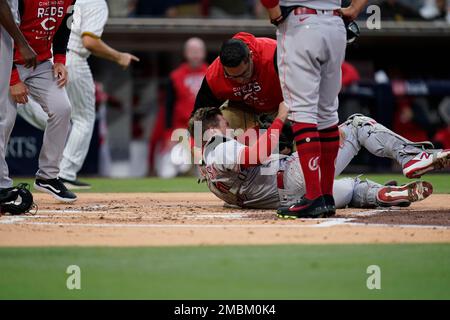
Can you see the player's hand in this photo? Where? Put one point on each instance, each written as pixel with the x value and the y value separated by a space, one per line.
pixel 19 93
pixel 341 138
pixel 60 73
pixel 275 12
pixel 29 56
pixel 350 13
pixel 125 59
pixel 283 112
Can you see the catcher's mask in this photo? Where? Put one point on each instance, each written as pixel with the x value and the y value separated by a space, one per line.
pixel 17 200
pixel 353 31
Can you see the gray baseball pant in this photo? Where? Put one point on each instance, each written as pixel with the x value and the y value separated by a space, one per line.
pixel 53 100
pixel 311 50
pixel 6 59
pixel 81 92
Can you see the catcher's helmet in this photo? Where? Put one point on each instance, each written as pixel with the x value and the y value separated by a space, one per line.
pixel 16 200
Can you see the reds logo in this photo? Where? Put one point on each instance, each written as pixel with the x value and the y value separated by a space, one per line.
pixel 49 12
pixel 249 93
pixel 313 163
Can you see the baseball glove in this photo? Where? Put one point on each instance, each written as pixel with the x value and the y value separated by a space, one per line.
pixel 17 200
pixel 286 136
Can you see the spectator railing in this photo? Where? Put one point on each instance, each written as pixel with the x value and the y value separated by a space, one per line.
pixel 166 34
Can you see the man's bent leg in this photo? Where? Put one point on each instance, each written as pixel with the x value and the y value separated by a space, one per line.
pixel 54 101
pixel 81 92
pixel 382 142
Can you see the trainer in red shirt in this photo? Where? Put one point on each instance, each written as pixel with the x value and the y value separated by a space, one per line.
pixel 245 73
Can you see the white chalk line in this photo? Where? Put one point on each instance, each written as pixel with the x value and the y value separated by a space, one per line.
pixel 164 226
pixel 322 223
pixel 406 226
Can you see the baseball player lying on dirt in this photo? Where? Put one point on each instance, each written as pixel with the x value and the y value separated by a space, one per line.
pixel 260 177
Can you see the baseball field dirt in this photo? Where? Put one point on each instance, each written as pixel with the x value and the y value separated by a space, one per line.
pixel 151 239
pixel 171 219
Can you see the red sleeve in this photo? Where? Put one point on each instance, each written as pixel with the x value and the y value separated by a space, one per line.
pixel 270 3
pixel 15 78
pixel 60 58
pixel 261 151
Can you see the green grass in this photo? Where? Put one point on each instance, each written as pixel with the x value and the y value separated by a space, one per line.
pixel 234 272
pixel 441 183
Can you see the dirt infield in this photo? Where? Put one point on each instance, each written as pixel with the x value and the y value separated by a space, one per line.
pixel 167 219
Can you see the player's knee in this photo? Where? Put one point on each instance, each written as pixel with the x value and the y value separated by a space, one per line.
pixel 359 120
pixel 343 192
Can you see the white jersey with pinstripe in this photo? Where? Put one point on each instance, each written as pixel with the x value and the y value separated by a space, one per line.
pixel 90 17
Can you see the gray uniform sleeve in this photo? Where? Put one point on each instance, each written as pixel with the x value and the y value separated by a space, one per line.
pixel 225 156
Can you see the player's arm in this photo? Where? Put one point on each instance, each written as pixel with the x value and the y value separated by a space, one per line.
pixel 354 9
pixel 261 151
pixel 100 49
pixel 7 21
pixel 273 8
pixel 206 98
pixel 60 42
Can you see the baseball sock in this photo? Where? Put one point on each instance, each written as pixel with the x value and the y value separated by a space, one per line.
pixel 308 148
pixel 329 142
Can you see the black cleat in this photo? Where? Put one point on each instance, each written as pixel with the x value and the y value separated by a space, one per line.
pixel 330 204
pixel 56 188
pixel 305 209
pixel 75 184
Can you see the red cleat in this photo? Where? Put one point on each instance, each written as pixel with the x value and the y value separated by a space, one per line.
pixel 425 162
pixel 403 196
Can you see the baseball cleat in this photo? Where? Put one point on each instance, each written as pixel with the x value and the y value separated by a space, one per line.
pixel 56 188
pixel 403 196
pixel 425 162
pixel 75 184
pixel 391 183
pixel 305 209
pixel 330 204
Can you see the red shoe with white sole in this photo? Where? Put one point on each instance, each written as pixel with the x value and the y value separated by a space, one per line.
pixel 403 196
pixel 425 162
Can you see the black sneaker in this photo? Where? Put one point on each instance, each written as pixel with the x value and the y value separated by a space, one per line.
pixel 330 204
pixel 56 188
pixel 75 184
pixel 305 209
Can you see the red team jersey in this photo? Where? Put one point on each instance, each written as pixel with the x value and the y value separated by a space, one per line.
pixel 261 94
pixel 186 83
pixel 42 23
